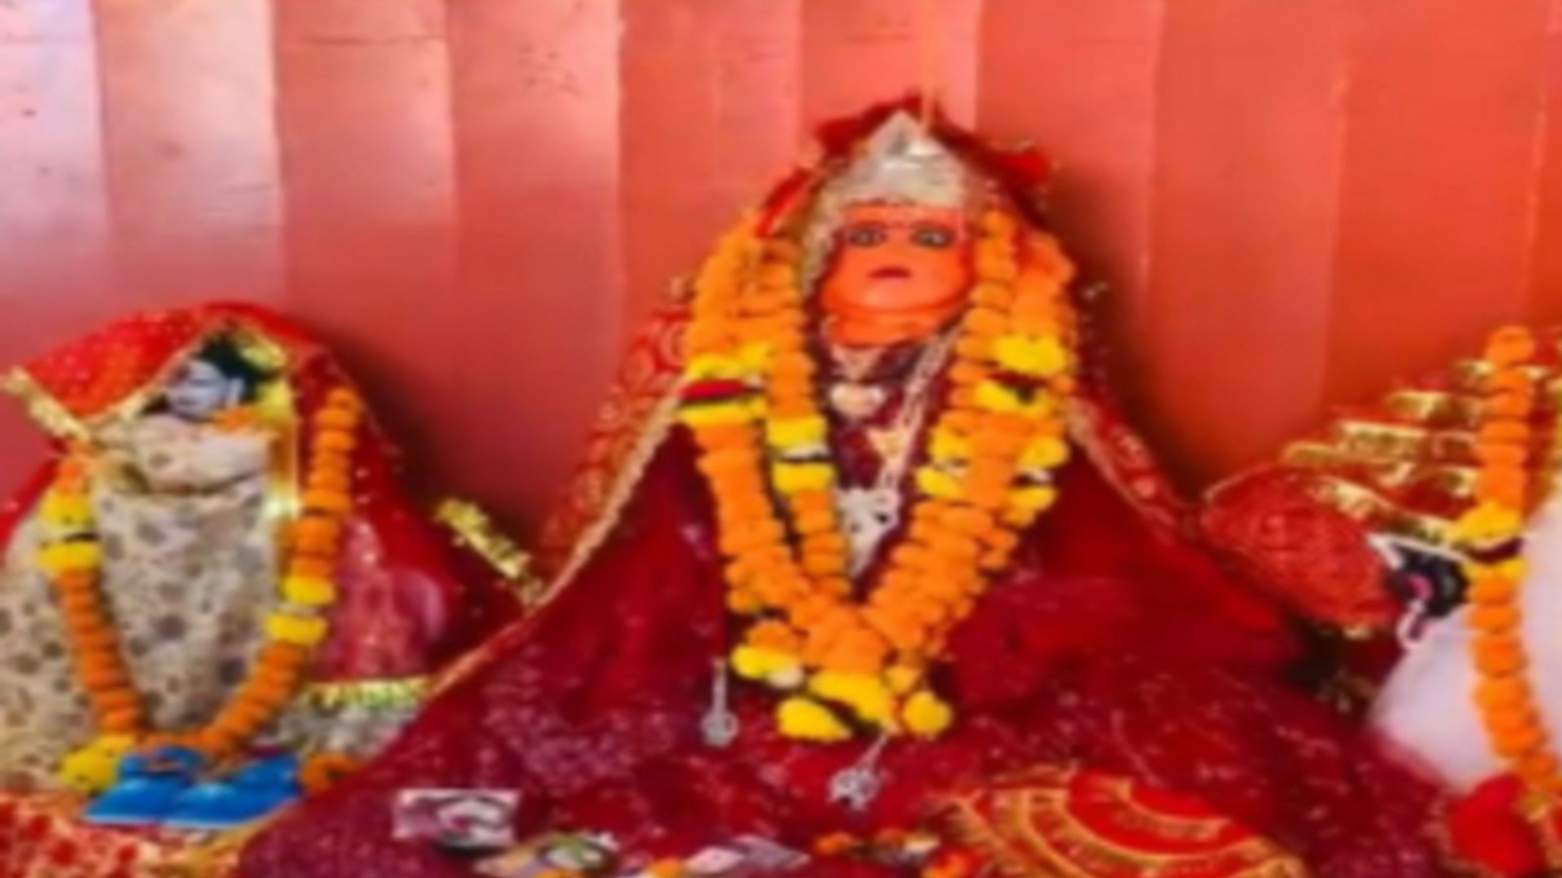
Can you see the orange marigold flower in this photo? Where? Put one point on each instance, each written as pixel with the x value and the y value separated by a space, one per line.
pixel 1498 654
pixel 1510 345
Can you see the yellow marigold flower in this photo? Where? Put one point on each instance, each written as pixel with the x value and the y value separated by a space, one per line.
pixel 794 478
pixel 791 432
pixel 1041 356
pixel 926 715
pixel 995 397
pixel 946 444
pixel 713 413
pixel 758 663
pixel 707 366
pixel 1033 500
pixel 1512 569
pixel 1487 521
pixel 808 720
pixel 784 678
pixel 935 482
pixel 754 357
pixel 66 508
pixel 95 767
pixel 57 558
pixel 312 591
pixel 1045 452
pixel 300 630
pixel 866 694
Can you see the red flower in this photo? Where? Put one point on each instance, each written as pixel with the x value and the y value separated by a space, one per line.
pixel 63 853
pixel 36 828
pixel 1485 828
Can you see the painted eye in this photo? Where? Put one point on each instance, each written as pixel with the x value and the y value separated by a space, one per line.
pixel 865 235
pixel 933 237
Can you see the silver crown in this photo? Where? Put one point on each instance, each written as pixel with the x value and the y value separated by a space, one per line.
pixel 901 162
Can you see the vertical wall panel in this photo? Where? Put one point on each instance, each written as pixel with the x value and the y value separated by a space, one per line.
pixel 1078 80
pixel 709 120
pixel 54 226
pixel 1543 233
pixel 860 52
pixel 1249 127
pixel 537 322
pixel 1438 168
pixel 1292 203
pixel 190 147
pixel 363 103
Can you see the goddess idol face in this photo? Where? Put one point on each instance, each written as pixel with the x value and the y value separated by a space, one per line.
pixel 900 271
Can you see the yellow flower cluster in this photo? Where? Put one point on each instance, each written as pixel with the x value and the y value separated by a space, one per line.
pixel 750 400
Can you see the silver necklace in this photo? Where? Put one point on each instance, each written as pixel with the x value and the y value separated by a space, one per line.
pixel 869 514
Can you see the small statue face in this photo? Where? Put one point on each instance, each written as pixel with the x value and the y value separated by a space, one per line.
pixel 900 272
pixel 199 390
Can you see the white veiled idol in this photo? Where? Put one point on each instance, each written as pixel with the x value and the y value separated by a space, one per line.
pixel 1394 530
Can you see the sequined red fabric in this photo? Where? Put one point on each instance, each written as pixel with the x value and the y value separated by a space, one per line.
pixel 1108 644
pixel 1314 556
pixel 40 839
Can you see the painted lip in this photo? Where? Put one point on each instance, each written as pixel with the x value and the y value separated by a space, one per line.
pixel 890 272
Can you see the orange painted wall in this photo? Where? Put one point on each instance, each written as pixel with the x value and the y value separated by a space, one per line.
pixel 473 199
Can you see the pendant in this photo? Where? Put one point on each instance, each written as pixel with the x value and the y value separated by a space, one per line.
pixel 719 725
pixel 857 785
pixel 868 515
pixel 890 443
pixel 856 401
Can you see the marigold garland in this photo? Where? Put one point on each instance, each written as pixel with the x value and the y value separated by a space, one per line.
pixel 71 555
pixel 750 400
pixel 1490 534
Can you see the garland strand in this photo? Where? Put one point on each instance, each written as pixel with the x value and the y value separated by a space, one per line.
pixel 749 397
pixel 71 554
pixel 1490 535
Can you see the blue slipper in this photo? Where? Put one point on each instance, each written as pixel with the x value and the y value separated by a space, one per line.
pixel 279 771
pixel 147 788
pixel 252 792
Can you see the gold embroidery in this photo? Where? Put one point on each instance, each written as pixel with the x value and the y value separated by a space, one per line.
pixel 1455 481
pixel 1434 406
pixel 1141 817
pixel 595 532
pixel 1027 828
pixel 44 409
pixel 475 529
pixel 404 692
pixel 1364 504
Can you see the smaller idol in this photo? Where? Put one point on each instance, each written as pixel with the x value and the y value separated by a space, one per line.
pixel 1428 532
pixel 216 594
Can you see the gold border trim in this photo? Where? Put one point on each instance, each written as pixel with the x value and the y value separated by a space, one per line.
pixel 41 407
pixel 403 692
pixel 658 424
pixel 471 526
